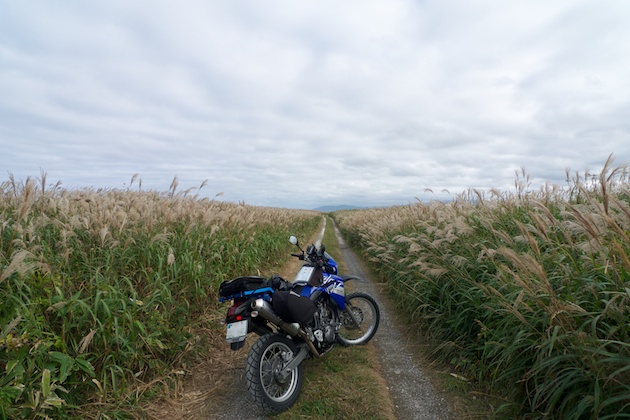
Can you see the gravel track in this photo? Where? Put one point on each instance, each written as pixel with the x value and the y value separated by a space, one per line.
pixel 411 391
pixel 413 394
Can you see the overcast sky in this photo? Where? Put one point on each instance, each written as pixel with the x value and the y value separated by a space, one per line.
pixel 306 103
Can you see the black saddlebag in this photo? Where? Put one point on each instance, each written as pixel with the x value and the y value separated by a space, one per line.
pixel 248 283
pixel 241 284
pixel 278 283
pixel 292 307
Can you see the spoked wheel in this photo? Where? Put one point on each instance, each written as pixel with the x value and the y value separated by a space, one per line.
pixel 271 387
pixel 360 319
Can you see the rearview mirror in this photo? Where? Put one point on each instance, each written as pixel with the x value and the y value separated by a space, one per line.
pixel 293 240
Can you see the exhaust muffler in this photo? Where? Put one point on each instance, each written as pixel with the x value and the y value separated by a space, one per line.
pixel 264 310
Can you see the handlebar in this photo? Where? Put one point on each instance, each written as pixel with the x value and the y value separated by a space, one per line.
pixel 315 257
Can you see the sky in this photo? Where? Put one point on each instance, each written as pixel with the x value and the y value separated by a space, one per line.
pixel 301 104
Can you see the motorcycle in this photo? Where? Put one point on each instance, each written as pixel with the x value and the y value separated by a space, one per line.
pixel 295 321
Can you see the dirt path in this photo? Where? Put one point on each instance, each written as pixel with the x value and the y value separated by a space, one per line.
pixel 410 388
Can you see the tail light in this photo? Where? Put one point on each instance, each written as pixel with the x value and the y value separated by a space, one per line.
pixel 232 310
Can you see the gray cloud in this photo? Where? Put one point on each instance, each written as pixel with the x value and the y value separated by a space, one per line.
pixel 308 103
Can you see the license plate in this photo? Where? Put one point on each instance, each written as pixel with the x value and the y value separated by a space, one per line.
pixel 236 331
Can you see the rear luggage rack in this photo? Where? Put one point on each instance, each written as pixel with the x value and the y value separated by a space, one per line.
pixel 266 291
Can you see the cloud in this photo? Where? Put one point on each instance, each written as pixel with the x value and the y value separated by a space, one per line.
pixel 300 104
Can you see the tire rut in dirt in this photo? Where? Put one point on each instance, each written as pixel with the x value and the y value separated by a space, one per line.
pixel 411 390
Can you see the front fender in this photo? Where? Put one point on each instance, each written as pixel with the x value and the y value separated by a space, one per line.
pixel 348 277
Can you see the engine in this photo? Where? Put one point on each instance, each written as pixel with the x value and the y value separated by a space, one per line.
pixel 323 329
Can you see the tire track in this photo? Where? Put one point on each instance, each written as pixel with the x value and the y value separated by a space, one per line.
pixel 410 388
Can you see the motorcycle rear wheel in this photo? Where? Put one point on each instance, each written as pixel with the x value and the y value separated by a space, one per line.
pixel 366 312
pixel 265 361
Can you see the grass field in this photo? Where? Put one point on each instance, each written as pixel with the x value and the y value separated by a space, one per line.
pixel 525 292
pixel 104 292
pixel 109 296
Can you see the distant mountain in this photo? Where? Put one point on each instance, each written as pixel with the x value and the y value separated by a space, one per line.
pixel 328 209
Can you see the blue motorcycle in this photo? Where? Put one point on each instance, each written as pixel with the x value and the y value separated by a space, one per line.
pixel 295 320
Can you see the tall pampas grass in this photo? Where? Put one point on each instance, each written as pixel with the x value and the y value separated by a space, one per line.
pixel 104 291
pixel 527 291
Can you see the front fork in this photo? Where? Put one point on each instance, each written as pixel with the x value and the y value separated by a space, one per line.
pixel 348 310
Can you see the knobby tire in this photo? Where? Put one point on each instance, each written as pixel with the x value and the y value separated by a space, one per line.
pixel 268 390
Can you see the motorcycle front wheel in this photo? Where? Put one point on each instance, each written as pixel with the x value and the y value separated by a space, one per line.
pixel 360 326
pixel 273 389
